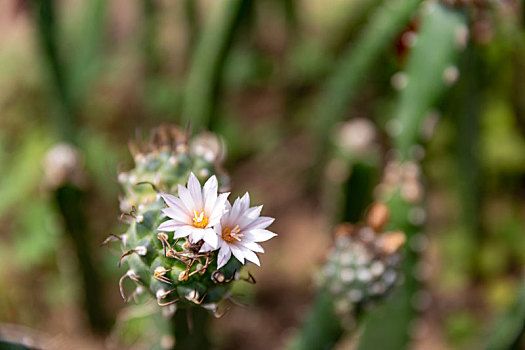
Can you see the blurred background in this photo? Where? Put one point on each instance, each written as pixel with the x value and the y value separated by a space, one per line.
pixel 312 99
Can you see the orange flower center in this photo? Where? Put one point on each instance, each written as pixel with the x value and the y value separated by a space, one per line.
pixel 232 234
pixel 199 220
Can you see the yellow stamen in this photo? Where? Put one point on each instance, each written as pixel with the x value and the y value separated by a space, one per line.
pixel 199 220
pixel 232 234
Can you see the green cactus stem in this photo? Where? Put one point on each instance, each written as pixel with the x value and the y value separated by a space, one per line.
pixel 68 195
pixel 208 61
pixel 466 114
pixel 191 16
pixel 431 69
pixel 182 279
pixel 45 15
pixel 322 328
pixel 342 85
pixel 149 38
pixel 353 171
pixel 361 269
pixel 509 330
pixel 351 176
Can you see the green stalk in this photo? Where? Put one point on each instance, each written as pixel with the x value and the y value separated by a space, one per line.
pixel 208 62
pixel 358 191
pixel 192 24
pixel 7 345
pixel 509 330
pixel 190 328
pixel 68 197
pixel 322 328
pixel 358 60
pixel 435 51
pixel 64 118
pixel 387 326
pixel 289 8
pixel 149 38
pixel 88 60
pixel 359 12
pixel 467 116
pixel 71 200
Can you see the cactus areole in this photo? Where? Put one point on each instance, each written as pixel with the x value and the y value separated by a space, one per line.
pixel 181 236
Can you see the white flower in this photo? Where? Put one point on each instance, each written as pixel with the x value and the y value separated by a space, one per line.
pixel 239 230
pixel 195 211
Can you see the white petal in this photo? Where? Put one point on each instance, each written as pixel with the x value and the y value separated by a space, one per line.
pixel 211 238
pixel 218 209
pixel 237 253
pixel 209 193
pixel 178 215
pixel 169 226
pixel 261 222
pixel 253 212
pixel 206 248
pixel 249 216
pixel 227 206
pixel 245 201
pixel 251 256
pixel 169 199
pixel 187 200
pixel 182 231
pixel 176 204
pixel 218 229
pixel 224 256
pixel 259 235
pixel 194 187
pixel 197 234
pixel 235 212
pixel 253 246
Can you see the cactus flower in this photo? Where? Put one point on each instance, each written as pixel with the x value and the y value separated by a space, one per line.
pixel 239 231
pixel 195 212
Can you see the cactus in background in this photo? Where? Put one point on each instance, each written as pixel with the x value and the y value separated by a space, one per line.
pixel 361 269
pixel 430 70
pixel 342 85
pixel 64 162
pixel 208 61
pixel 353 171
pixel 192 268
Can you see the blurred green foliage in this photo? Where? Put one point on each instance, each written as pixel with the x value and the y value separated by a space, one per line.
pixel 259 73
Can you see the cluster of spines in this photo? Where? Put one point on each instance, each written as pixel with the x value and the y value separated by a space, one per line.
pixel 363 265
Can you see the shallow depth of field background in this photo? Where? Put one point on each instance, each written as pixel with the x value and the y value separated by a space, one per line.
pixel 126 65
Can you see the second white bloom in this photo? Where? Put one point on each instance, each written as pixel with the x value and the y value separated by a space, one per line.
pixel 239 231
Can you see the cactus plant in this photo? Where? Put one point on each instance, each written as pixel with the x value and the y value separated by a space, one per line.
pixel 193 267
pixel 68 194
pixel 208 62
pixel 361 269
pixel 352 173
pixel 171 270
pixel 385 23
pixel 431 68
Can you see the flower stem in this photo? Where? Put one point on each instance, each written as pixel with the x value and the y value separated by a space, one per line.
pixel 190 328
pixel 322 328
